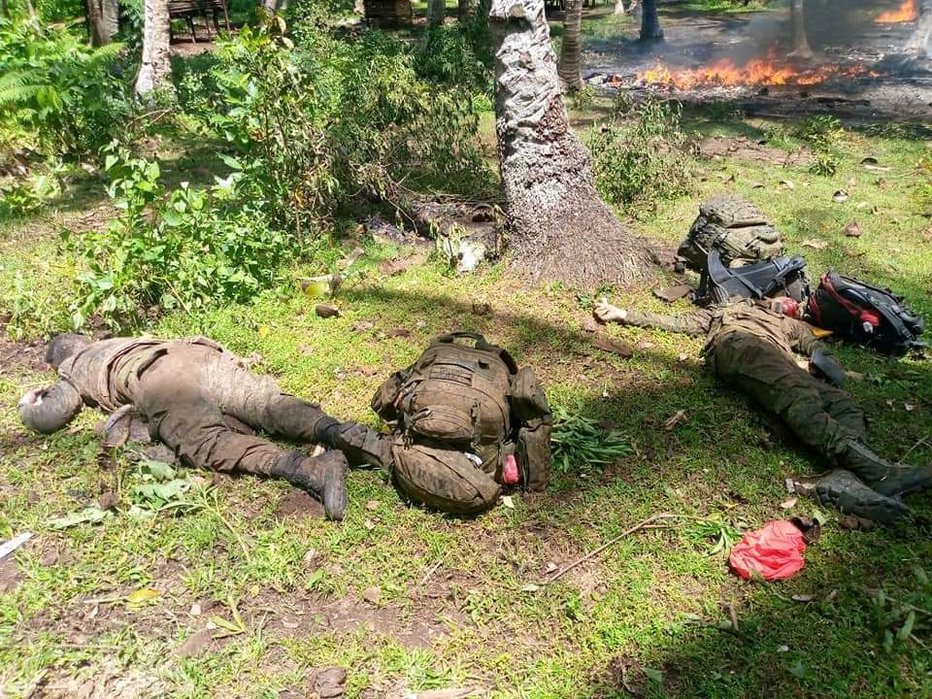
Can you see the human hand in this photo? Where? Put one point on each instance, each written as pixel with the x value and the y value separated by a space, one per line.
pixel 605 312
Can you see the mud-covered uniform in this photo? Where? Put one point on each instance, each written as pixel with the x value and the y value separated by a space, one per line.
pixel 183 388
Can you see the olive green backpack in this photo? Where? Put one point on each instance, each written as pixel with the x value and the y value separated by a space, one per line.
pixel 459 415
pixel 733 227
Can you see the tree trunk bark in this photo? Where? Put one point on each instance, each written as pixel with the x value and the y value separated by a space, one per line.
pixel 798 20
pixel 103 19
pixel 650 22
pixel 921 39
pixel 558 226
pixel 155 71
pixel 620 7
pixel 436 9
pixel 463 9
pixel 568 67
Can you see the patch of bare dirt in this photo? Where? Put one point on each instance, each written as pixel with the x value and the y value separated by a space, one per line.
pixel 19 356
pixel 743 148
pixel 100 682
pixel 10 577
pixel 299 504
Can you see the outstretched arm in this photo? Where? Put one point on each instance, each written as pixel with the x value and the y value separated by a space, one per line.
pixel 697 323
pixel 47 410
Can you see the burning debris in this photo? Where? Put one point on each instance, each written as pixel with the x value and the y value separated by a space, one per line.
pixel 906 12
pixel 757 72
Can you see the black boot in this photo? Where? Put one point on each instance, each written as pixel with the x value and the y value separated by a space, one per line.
pixel 322 476
pixel 360 444
pixel 883 476
pixel 842 490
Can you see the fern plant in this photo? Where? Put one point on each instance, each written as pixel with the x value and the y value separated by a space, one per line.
pixel 57 89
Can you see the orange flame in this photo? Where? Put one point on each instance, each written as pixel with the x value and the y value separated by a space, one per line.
pixel 757 72
pixel 906 12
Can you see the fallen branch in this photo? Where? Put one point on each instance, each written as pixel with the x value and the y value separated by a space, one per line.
pixel 646 524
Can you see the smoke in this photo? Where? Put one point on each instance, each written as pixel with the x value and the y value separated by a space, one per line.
pixel 834 29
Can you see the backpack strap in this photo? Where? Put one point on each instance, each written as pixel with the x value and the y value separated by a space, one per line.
pixel 481 344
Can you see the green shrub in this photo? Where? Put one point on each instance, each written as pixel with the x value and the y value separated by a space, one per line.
pixel 645 161
pixel 57 89
pixel 185 249
pixel 320 124
pixel 457 54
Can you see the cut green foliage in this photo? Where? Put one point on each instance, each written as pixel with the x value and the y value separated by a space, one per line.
pixel 580 442
pixel 159 488
pixel 716 532
pixel 90 515
pixel 644 161
pixel 901 620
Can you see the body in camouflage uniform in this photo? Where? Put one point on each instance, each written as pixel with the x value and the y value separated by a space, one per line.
pixel 183 388
pixel 751 348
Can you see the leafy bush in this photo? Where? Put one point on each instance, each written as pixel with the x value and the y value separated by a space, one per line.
pixel 186 249
pixel 317 125
pixel 56 88
pixel 457 54
pixel 640 163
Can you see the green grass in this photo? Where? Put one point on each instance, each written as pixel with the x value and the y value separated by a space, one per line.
pixel 460 602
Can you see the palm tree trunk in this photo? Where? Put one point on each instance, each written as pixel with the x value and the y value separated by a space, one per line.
pixel 463 9
pixel 921 39
pixel 436 9
pixel 798 20
pixel 155 71
pixel 650 22
pixel 559 227
pixel 103 19
pixel 568 67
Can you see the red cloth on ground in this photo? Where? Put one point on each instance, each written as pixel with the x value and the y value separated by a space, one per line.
pixel 774 552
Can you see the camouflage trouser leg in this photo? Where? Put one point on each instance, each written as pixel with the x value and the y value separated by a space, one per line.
pixel 259 402
pixel 821 416
pixel 182 417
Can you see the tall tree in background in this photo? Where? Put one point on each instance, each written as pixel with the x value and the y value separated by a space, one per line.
pixel 103 20
pixel 463 9
pixel 798 20
pixel 559 227
pixel 921 39
pixel 650 22
pixel 568 67
pixel 436 9
pixel 155 70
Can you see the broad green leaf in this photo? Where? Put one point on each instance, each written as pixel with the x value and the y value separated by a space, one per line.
pixel 88 514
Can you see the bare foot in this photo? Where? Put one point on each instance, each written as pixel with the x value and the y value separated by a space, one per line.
pixel 605 312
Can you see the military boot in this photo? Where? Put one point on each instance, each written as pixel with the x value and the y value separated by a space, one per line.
pixel 842 490
pixel 360 444
pixel 322 476
pixel 883 476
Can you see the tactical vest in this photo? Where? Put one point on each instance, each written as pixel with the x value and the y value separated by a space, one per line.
pixel 464 415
